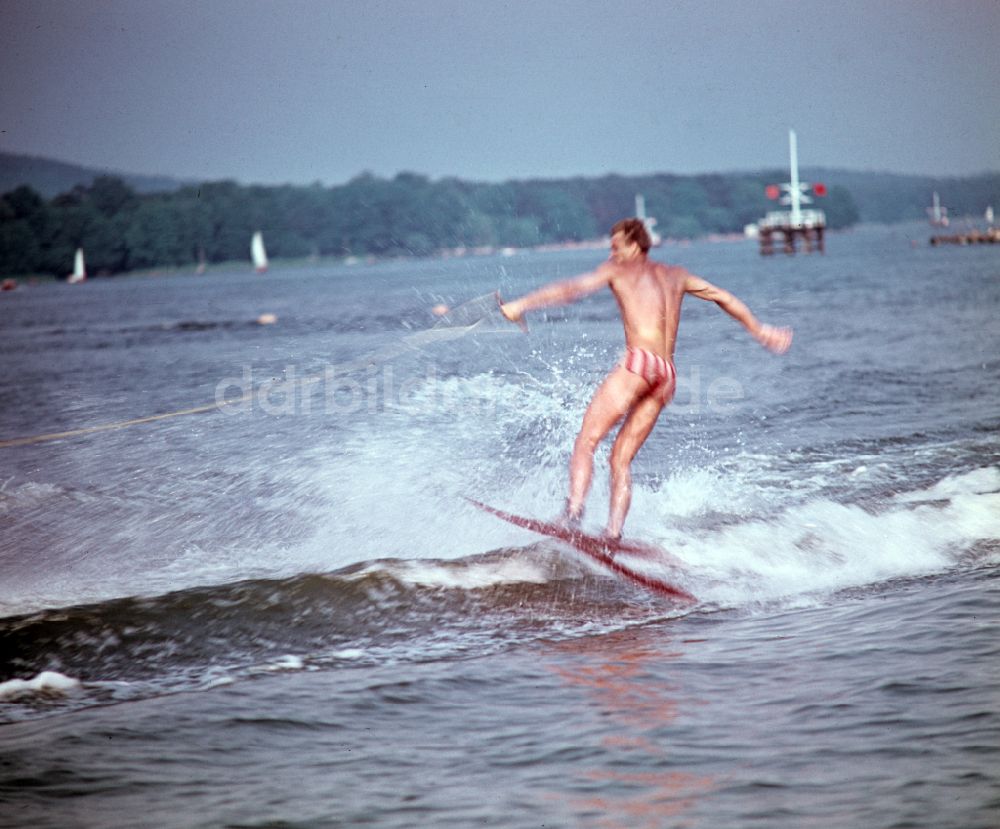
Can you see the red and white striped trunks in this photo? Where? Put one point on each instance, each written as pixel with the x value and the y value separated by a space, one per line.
pixel 651 367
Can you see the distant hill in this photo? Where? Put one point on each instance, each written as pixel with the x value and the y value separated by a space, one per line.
pixel 880 197
pixel 48 209
pixel 50 178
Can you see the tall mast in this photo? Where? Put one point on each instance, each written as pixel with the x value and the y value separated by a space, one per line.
pixel 795 191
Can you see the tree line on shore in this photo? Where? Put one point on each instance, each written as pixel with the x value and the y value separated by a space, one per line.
pixel 123 230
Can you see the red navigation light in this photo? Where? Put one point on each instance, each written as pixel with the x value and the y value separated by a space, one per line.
pixel 819 188
pixel 772 191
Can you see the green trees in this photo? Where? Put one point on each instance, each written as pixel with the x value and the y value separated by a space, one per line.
pixel 841 211
pixel 408 214
pixel 22 223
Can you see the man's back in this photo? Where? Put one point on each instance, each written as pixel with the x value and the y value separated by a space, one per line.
pixel 649 297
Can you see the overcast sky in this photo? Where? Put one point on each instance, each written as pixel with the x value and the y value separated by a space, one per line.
pixel 302 91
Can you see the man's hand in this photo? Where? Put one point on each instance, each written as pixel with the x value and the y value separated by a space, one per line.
pixel 509 310
pixel 775 339
pixel 513 312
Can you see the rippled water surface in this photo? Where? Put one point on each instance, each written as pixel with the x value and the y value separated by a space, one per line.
pixel 283 611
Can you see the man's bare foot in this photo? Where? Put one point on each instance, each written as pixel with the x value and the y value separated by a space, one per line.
pixel 611 541
pixel 569 520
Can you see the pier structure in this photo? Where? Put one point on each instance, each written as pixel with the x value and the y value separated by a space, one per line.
pixel 991 236
pixel 807 224
pixel 973 235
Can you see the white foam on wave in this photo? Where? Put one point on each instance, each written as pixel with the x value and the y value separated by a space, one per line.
pixel 398 493
pixel 472 576
pixel 288 662
pixel 26 495
pixel 47 683
pixel 978 481
pixel 823 546
pixel 349 653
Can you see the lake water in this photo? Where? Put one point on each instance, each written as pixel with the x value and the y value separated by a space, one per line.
pixel 283 611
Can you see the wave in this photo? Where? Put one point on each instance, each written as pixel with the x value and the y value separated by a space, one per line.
pixel 377 612
pixel 383 611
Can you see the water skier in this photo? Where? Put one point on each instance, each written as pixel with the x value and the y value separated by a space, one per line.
pixel 649 296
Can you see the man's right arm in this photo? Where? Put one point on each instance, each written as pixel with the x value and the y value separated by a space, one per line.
pixel 558 293
pixel 775 339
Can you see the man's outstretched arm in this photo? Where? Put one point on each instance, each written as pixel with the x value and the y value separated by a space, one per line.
pixel 557 293
pixel 771 337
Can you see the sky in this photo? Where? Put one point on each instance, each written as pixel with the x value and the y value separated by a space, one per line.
pixel 304 91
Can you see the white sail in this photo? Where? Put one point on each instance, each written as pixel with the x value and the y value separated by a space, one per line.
pixel 257 252
pixel 937 214
pixel 79 269
pixel 648 221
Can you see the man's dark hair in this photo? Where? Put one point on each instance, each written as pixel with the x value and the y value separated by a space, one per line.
pixel 635 231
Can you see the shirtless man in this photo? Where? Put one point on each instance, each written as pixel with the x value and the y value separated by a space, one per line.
pixel 649 298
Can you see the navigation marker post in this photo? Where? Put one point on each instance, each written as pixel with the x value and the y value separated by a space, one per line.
pixel 809 224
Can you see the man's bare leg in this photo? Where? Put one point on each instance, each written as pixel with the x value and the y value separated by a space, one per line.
pixel 610 403
pixel 631 437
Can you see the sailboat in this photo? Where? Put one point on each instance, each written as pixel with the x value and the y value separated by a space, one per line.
pixel 257 253
pixel 938 215
pixel 988 215
pixel 648 221
pixel 79 269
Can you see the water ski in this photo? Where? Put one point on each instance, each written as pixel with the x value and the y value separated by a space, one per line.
pixel 605 551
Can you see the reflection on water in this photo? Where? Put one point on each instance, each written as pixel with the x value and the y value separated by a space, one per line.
pixel 635 712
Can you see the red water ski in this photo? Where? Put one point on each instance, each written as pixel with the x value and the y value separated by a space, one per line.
pixel 601 549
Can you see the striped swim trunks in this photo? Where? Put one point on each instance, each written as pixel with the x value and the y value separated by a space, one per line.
pixel 651 367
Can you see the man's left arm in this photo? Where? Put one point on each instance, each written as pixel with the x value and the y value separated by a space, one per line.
pixel 771 337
